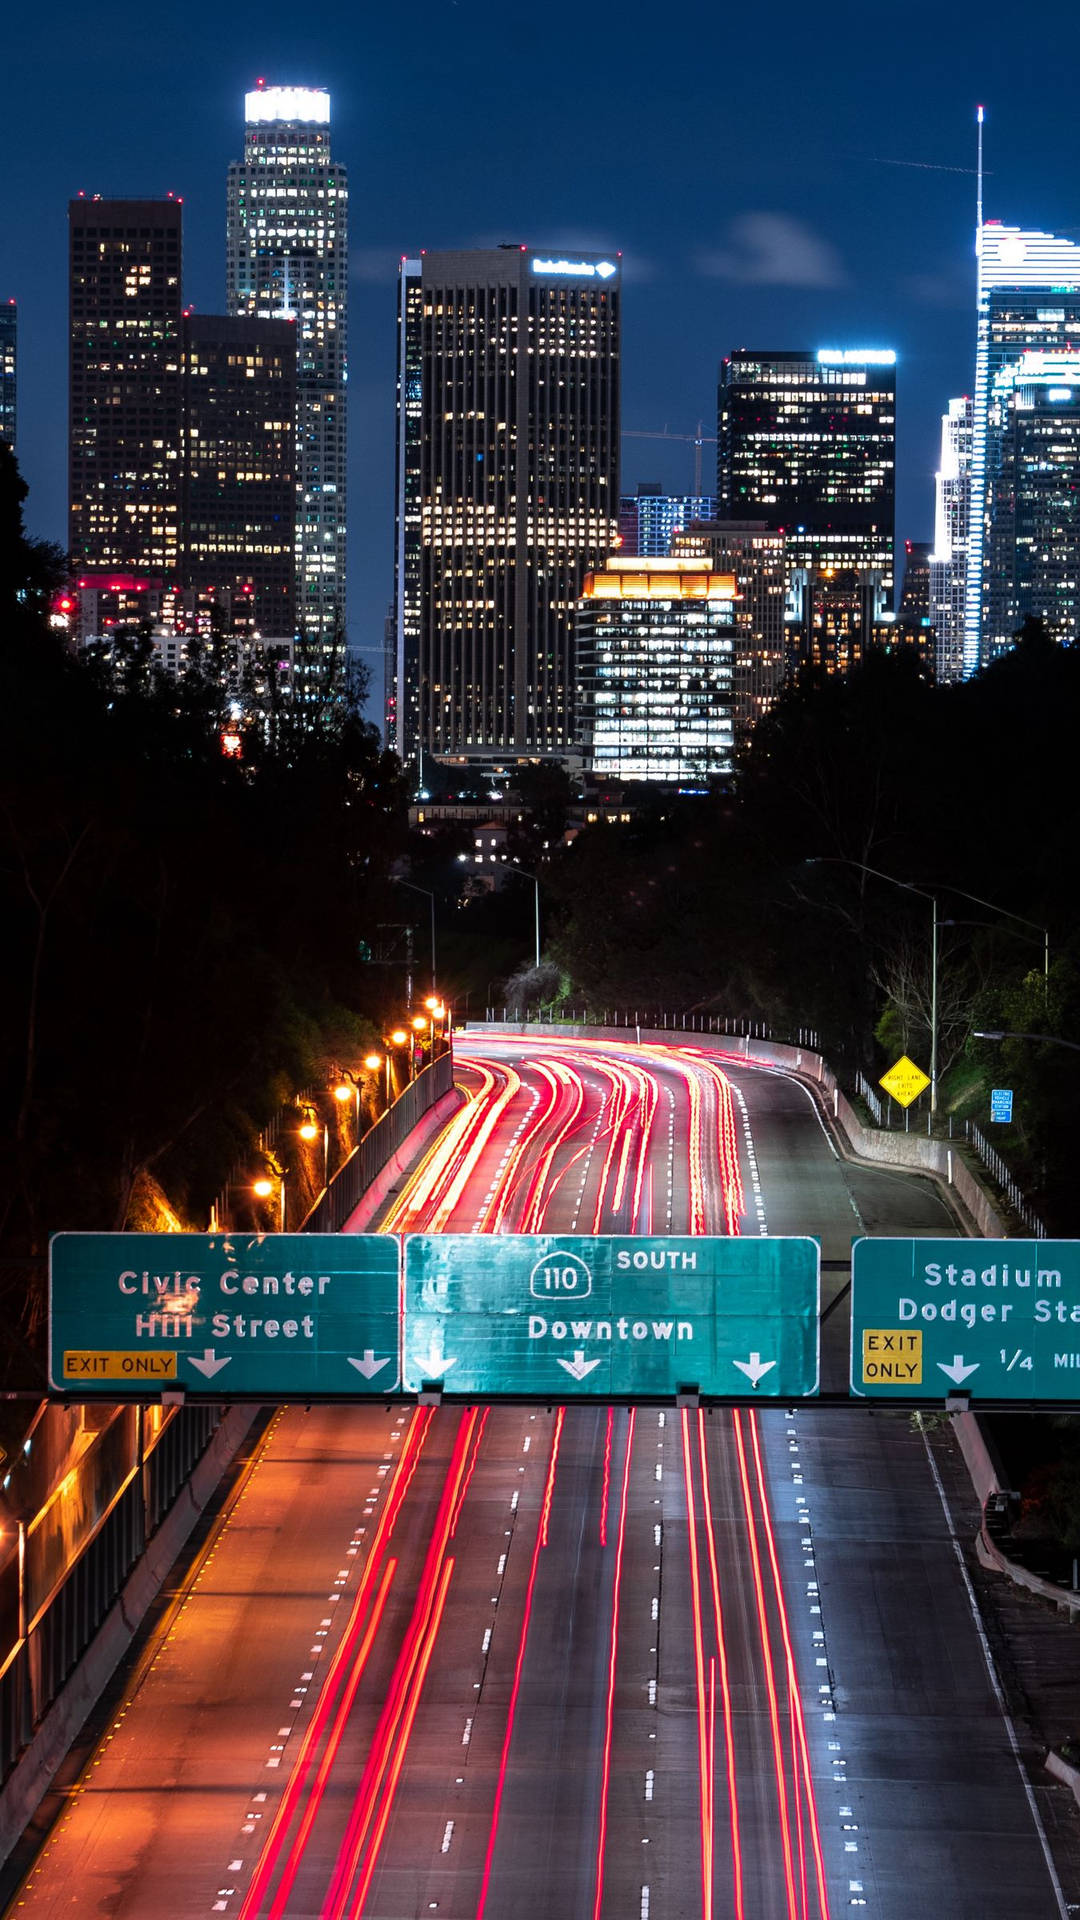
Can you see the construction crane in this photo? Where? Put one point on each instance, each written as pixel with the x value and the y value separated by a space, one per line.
pixel 696 440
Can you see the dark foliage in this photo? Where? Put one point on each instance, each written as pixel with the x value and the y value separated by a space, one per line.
pixel 181 927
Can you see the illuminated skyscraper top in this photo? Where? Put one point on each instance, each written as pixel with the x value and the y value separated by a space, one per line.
pixel 1028 300
pixel 288 258
pixel 807 443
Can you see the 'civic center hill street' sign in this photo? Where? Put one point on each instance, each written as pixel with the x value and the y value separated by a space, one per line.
pixel 281 1314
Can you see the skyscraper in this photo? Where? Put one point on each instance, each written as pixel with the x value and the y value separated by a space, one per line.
pixel 1028 293
pixel 807 441
pixel 288 259
pixel 238 510
pixel 1033 506
pixel 649 518
pixel 656 649
pixel 507 494
pixel 125 390
pixel 8 318
pixel 949 555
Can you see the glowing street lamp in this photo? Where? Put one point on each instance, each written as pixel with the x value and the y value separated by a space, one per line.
pixel 309 1130
pixel 263 1189
pixel 373 1061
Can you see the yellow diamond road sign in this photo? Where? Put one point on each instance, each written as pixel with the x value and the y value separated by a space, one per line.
pixel 904 1080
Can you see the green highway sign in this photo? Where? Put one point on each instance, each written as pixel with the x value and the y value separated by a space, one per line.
pixel 999 1319
pixel 282 1314
pixel 556 1317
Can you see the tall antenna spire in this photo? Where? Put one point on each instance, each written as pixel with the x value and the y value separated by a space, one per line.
pixel 979 182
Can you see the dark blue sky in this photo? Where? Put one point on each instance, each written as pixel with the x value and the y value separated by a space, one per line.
pixel 781 176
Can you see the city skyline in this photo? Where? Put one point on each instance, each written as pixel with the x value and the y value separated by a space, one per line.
pixel 870 237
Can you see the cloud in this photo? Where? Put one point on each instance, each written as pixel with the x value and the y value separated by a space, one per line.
pixel 774 250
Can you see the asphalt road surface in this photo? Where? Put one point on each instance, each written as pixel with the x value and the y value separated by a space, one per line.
pixel 585 1662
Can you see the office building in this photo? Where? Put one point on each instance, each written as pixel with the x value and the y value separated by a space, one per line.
pixel 948 556
pixel 807 442
pixel 649 519
pixel 1028 295
pixel 238 505
pixel 656 653
pixel 507 495
pixel 288 259
pixel 1032 552
pixel 913 612
pixel 8 326
pixel 125 386
pixel 835 615
pixel 755 559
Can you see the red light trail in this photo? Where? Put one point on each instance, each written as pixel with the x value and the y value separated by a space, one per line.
pixel 504 1163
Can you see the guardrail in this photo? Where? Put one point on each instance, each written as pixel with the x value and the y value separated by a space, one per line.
pixel 379 1144
pixel 47 1620
pixel 993 1162
pixel 661 1020
pixel 866 1092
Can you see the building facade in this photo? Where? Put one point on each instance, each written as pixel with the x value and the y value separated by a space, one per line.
pixel 756 561
pixel 1032 554
pixel 1028 300
pixel 656 653
pixel 948 555
pixel 649 519
pixel 8 365
pixel 238 489
pixel 125 386
pixel 507 495
pixel 288 260
pixel 807 442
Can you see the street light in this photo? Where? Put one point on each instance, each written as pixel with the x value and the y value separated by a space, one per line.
pixel 309 1130
pixel 1047 1039
pixel 1008 915
pixel 839 861
pixel 373 1061
pixel 428 895
pixel 263 1187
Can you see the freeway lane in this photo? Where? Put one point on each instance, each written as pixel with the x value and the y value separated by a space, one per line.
pixel 653 1664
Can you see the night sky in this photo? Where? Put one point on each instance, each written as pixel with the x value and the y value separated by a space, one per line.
pixel 782 176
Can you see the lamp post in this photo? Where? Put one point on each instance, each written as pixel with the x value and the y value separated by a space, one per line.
pixel 264 1187
pixel 373 1061
pixel 1008 914
pixel 428 895
pixel 309 1130
pixel 1044 1039
pixel 840 861
pixel 348 1088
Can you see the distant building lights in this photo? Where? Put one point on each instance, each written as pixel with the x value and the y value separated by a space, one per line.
pixel 579 269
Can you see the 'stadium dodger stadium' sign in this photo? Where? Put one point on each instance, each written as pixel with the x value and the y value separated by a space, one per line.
pixel 999 1319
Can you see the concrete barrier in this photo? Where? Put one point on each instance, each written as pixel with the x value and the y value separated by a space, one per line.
pixel 378 1193
pixel 1062 1771
pixel 29 1779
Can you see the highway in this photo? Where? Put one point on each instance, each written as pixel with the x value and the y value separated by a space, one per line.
pixel 584 1662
